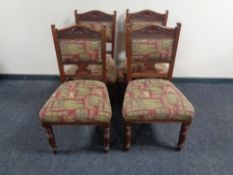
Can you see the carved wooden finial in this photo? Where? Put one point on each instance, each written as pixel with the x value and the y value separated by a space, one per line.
pixel 178 24
pixel 53 27
pixel 75 11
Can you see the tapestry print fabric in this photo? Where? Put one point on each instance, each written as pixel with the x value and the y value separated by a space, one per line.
pixel 78 101
pixel 98 26
pixel 151 49
pixel 80 50
pixel 151 99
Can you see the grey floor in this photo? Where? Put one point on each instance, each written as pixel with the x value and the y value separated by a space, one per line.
pixel 24 148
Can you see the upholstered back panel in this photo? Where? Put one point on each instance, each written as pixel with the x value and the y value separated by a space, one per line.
pixel 74 50
pixel 152 49
pixel 98 25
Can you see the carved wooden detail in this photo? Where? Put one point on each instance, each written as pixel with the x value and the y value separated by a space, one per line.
pixel 155 31
pixel 106 138
pixel 82 70
pixel 147 15
pixel 183 134
pixel 95 15
pixel 78 31
pixel 127 136
pixel 51 138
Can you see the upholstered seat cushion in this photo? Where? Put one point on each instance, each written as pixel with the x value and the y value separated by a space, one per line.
pixel 155 99
pixel 111 70
pixel 78 101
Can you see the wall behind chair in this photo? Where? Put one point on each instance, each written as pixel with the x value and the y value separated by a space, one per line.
pixel 205 48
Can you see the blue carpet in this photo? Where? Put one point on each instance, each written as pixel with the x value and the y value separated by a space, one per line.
pixel 24 148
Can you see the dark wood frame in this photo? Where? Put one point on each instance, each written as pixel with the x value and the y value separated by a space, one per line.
pixel 99 16
pixel 77 31
pixel 150 32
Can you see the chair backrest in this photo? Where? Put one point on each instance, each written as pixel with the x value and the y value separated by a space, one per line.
pixel 151 45
pixel 81 46
pixel 145 17
pixel 95 19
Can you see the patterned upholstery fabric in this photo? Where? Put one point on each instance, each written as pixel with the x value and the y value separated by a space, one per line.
pixel 98 26
pixel 139 24
pixel 151 99
pixel 80 50
pixel 78 101
pixel 151 49
pixel 111 70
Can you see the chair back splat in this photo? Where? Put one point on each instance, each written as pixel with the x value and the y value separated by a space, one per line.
pixel 81 46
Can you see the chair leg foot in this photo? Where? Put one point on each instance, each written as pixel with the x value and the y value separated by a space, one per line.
pixel 183 134
pixel 127 137
pixel 106 138
pixel 51 138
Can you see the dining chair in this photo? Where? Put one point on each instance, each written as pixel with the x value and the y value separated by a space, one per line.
pixel 151 97
pixel 85 100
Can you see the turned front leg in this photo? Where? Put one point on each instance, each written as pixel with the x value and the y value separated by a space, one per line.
pixel 183 134
pixel 51 138
pixel 106 128
pixel 127 136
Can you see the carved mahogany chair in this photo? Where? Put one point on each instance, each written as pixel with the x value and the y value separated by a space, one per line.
pixel 84 100
pixel 147 98
pixel 137 20
pixel 96 19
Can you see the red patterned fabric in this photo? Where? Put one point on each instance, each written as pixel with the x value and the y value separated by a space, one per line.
pixel 151 99
pixel 78 101
pixel 98 26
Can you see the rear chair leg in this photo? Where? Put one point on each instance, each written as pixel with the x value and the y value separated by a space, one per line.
pixel 51 138
pixel 106 137
pixel 183 134
pixel 127 136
